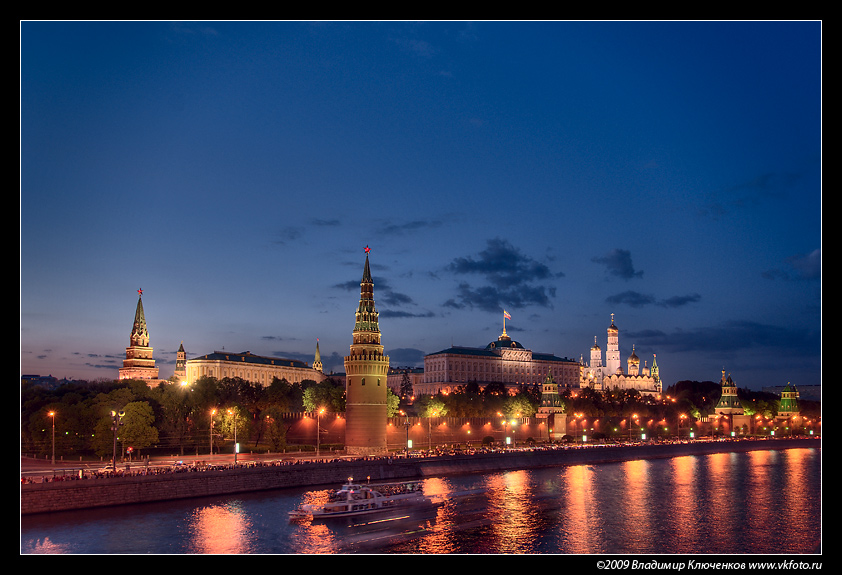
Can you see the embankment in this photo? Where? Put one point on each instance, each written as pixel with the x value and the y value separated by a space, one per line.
pixel 103 492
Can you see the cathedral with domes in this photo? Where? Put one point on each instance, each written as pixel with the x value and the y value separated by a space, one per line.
pixel 609 374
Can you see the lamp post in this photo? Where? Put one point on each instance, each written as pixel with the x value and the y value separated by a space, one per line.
pixel 116 422
pixel 212 413
pixel 233 413
pixel 318 417
pixel 52 415
pixel 406 446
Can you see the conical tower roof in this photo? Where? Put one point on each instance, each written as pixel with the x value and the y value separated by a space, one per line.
pixel 140 333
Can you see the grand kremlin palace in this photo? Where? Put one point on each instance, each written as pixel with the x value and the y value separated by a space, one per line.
pixel 502 361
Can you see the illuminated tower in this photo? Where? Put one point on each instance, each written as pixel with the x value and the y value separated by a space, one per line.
pixel 366 369
pixel 139 363
pixel 729 403
pixel 789 402
pixel 180 364
pixel 552 408
pixel 612 352
pixel 317 361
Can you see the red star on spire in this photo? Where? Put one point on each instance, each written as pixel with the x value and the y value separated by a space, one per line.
pixel 140 292
pixel 367 249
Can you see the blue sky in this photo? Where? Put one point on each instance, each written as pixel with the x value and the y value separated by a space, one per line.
pixel 666 172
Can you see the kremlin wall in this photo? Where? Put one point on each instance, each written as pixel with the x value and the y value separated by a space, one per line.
pixel 121 491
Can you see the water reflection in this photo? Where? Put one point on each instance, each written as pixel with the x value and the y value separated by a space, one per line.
pixel 220 529
pixel 682 505
pixel 756 502
pixel 514 509
pixel 579 522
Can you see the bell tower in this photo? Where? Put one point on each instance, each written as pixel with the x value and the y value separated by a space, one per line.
pixel 612 353
pixel 366 369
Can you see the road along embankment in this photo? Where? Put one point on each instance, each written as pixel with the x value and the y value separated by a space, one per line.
pixel 112 491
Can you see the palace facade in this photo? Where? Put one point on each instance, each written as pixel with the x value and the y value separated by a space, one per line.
pixel 503 361
pixel 254 368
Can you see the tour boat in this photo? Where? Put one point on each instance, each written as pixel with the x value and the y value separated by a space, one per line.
pixel 360 500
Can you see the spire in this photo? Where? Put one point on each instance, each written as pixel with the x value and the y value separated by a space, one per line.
pixel 140 334
pixel 317 362
pixel 367 269
pixel 367 316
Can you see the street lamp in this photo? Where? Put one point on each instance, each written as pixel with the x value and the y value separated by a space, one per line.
pixel 232 413
pixel 212 413
pixel 116 422
pixel 52 414
pixel 318 417
pixel 406 447
pixel 430 430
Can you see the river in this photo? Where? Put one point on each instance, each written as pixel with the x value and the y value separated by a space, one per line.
pixel 759 502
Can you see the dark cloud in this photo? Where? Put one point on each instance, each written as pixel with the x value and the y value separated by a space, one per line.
pixel 637 299
pixel 413 226
pixel 502 265
pixel 618 262
pixel 510 277
pixel 388 313
pixel 732 336
pixel 387 299
pixel 490 298
pixel 405 356
pixel 680 300
pixel 631 298
pixel 800 267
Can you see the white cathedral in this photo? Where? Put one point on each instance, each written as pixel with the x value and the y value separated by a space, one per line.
pixel 610 375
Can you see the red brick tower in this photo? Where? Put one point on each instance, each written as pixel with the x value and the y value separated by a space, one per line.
pixel 366 369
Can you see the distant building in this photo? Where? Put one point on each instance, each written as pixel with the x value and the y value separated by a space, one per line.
pixel 47 381
pixel 503 361
pixel 396 377
pixel 254 368
pixel 139 363
pixel 610 375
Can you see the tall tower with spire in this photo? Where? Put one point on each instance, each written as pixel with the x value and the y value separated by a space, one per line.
pixel 139 363
pixel 317 361
pixel 612 352
pixel 180 373
pixel 366 369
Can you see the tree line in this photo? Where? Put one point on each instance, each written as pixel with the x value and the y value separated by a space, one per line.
pixel 206 413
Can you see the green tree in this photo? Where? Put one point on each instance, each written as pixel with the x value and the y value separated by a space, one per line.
pixel 138 431
pixel 275 428
pixel 393 403
pixel 325 394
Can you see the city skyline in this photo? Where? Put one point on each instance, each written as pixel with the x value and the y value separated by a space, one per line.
pixel 668 173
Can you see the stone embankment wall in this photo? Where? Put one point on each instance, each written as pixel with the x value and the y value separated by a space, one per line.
pixel 90 493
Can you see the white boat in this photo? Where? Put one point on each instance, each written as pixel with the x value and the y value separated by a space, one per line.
pixel 360 500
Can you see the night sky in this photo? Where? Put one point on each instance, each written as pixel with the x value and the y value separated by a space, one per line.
pixel 668 173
